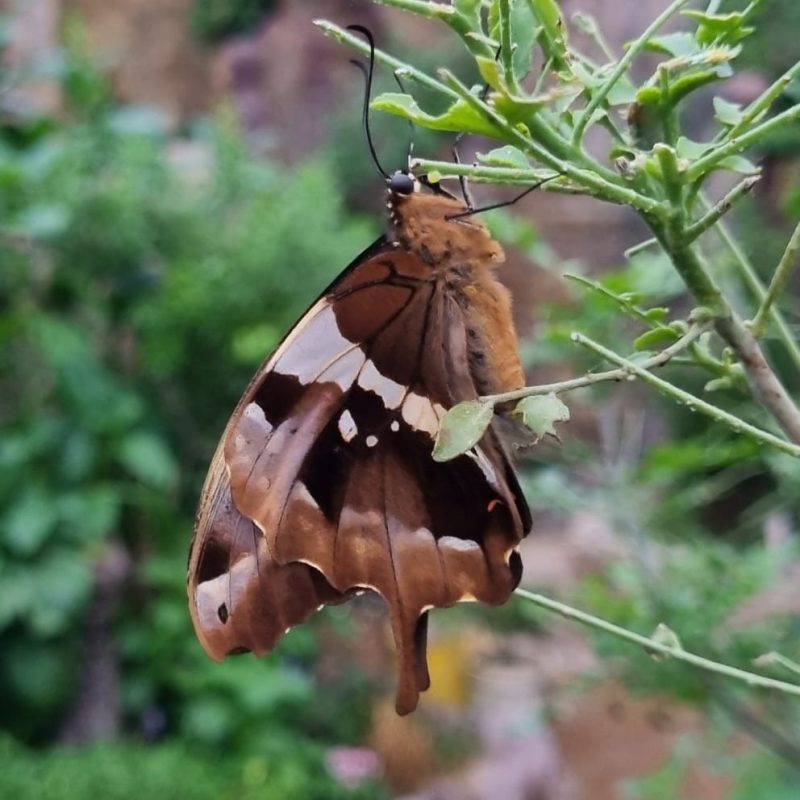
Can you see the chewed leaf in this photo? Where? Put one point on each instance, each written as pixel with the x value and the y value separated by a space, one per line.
pixel 541 412
pixel 459 117
pixel 462 428
pixel 507 156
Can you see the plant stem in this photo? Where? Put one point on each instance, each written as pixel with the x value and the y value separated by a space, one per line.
pixel 657 360
pixel 621 67
pixel 358 43
pixel 763 102
pixel 510 176
pixel 722 207
pixel 651 645
pixel 708 162
pixel 753 282
pixel 601 187
pixel 687 399
pixel 763 381
pixel 785 266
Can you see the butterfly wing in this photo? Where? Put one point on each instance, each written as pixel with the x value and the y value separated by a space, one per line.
pixel 324 482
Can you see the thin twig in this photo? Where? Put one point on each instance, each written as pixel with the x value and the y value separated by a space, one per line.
pixel 710 160
pixel 657 360
pixel 654 646
pixel 721 207
pixel 783 270
pixel 691 401
pixel 753 282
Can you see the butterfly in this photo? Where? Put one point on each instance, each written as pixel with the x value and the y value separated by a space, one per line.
pixel 323 484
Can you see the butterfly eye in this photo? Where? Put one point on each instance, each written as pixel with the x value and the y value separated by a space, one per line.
pixel 401 183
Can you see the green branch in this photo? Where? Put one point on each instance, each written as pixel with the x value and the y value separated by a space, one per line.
pixel 658 360
pixel 751 279
pixel 691 401
pixel 698 169
pixel 785 266
pixel 721 207
pixel 601 187
pixel 621 67
pixel 653 645
pixel 358 43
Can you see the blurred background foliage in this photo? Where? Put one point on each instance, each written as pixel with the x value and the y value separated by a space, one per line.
pixel 144 273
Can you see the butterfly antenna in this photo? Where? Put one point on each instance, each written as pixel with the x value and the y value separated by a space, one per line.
pixel 505 203
pixel 367 34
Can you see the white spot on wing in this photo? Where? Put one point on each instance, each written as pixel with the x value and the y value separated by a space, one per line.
pixel 318 351
pixel 372 441
pixel 391 392
pixel 462 545
pixel 395 426
pixel 347 426
pixel 420 414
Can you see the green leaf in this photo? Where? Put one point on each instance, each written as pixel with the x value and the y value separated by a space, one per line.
pixel 691 150
pixel 462 428
pixel 674 44
pixel 726 112
pixel 29 521
pixel 552 38
pixel 655 338
pixel 148 459
pixel 507 156
pixel 738 164
pixel 524 33
pixel 723 28
pixel 459 117
pixel 656 314
pixel 541 412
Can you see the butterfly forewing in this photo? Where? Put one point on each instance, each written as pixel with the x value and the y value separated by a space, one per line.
pixel 324 483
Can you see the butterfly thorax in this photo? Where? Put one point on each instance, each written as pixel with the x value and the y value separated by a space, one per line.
pixel 462 256
pixel 429 226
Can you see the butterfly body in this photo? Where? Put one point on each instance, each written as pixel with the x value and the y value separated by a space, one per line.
pixel 323 483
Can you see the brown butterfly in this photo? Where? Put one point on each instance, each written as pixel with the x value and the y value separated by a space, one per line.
pixel 323 484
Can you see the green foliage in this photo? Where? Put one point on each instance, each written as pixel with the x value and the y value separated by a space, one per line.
pixel 137 296
pixel 127 771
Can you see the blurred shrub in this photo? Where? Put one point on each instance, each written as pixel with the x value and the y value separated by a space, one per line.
pixel 142 280
pixel 164 772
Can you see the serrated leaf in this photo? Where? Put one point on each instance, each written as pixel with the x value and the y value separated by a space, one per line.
pixel 541 412
pixel 507 156
pixel 459 117
pixel 666 637
pixel 726 112
pixel 462 428
pixel 728 28
pixel 655 338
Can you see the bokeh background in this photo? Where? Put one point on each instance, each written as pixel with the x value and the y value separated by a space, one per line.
pixel 178 180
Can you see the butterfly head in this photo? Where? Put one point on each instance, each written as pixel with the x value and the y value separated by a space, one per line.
pixel 430 222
